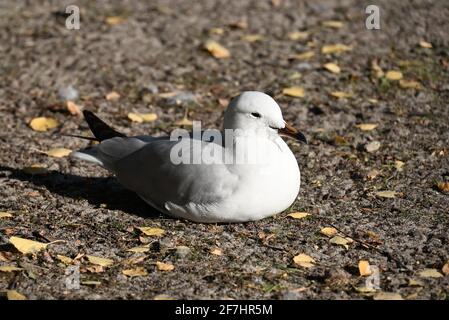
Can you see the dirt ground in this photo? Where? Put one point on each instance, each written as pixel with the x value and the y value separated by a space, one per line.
pixel 155 47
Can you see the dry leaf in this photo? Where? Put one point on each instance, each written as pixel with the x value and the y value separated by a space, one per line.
pixel 9 268
pixel 425 44
pixel 298 35
pixel 219 31
pixel 43 124
pixel 95 269
pixel 5 215
pixel 398 165
pixel 104 262
pixel 217 50
pixel 163 297
pixel 409 84
pixel 341 241
pixel 372 146
pixel 364 268
pixel 335 48
pixel 373 101
pixel 140 249
pixel 303 260
pixel 137 272
pixel 253 37
pixel 142 117
pixel 415 283
pixel 35 169
pixel 386 194
pixel 340 94
pixel 112 96
pixel 339 140
pixel 430 273
pixel 332 67
pixel 296 92
pixel 372 174
pixel 27 246
pixel 305 55
pixel 329 231
pixel 149 231
pixel 114 20
pixel 14 295
pixel 298 215
pixel 365 289
pixel 164 266
pixel 367 126
pixel 443 186
pixel 387 296
pixel 64 259
pixel 333 24
pixel 445 268
pixel 378 72
pixel 73 108
pixel 216 252
pixel 58 152
pixel 393 75
pixel 184 122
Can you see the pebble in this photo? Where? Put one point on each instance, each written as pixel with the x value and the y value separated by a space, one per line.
pixel 182 98
pixel 68 93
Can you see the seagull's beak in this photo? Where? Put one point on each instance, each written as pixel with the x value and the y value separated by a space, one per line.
pixel 291 132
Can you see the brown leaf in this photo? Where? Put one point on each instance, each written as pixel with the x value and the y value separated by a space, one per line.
pixel 64 259
pixel 150 231
pixel 161 266
pixel 216 252
pixel 340 94
pixel 73 108
pixel 14 295
pixel 386 194
pixel 303 260
pixel 58 152
pixel 425 44
pixel 305 55
pixel 364 268
pixel 104 262
pixel 298 35
pixel 393 75
pixel 367 126
pixel 372 146
pixel 443 186
pixel 252 37
pixel 140 249
pixel 333 24
pixel 445 268
pixel 332 67
pixel 341 241
pixel 387 296
pixel 26 246
pixel 114 20
pixel 5 214
pixel 10 269
pixel 329 231
pixel 136 272
pixel 298 215
pixel 398 165
pixel 409 84
pixel 430 273
pixel 35 169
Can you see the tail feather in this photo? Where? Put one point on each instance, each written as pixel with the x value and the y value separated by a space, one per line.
pixel 99 128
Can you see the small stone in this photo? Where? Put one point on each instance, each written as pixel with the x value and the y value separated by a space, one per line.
pixel 303 66
pixel 182 251
pixel 372 146
pixel 68 93
pixel 182 98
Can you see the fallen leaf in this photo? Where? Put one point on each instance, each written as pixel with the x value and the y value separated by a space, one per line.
pixel 341 241
pixel 296 92
pixel 305 55
pixel 42 124
pixel 73 108
pixel 217 50
pixel 216 252
pixel 298 35
pixel 35 169
pixel 372 174
pixel 5 215
pixel 298 215
pixel 137 272
pixel 64 259
pixel 332 67
pixel 14 295
pixel 386 194
pixel 295 76
pixel 164 266
pixel 329 231
pixel 27 246
pixel 335 48
pixel 415 283
pixel 393 75
pixel 58 152
pixel 373 101
pixel 142 117
pixel 253 37
pixel 114 20
pixel 340 94
pixel 10 268
pixel 443 186
pixel 430 273
pixel 140 249
pixel 339 140
pixel 409 84
pixel 364 268
pixel 372 146
pixel 184 122
pixel 219 31
pixel 367 126
pixel 425 44
pixel 365 289
pixel 95 269
pixel 149 231
pixel 223 102
pixel 303 260
pixel 333 24
pixel 163 297
pixel 112 96
pixel 445 268
pixel 398 164
pixel 387 296
pixel 104 262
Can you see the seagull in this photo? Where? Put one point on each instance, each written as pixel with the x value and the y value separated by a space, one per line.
pixel 247 175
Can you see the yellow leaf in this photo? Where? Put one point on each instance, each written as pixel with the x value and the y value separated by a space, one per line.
pixel 298 35
pixel 332 67
pixel 393 75
pixel 340 94
pixel 378 72
pixel 9 268
pixel 64 259
pixel 398 165
pixel 373 101
pixel 387 296
pixel 184 122
pixel 58 152
pixel 386 194
pixel 149 231
pixel 43 124
pixel 329 231
pixel 142 117
pixel 298 215
pixel 425 44
pixel 5 215
pixel 140 249
pixel 305 55
pixel 164 266
pixel 104 262
pixel 333 24
pixel 216 252
pixel 443 186
pixel 14 295
pixel 137 272
pixel 218 31
pixel 367 126
pixel 35 169
pixel 73 108
pixel 217 50
pixel 409 84
pixel 341 241
pixel 162 297
pixel 303 260
pixel 364 268
pixel 415 283
pixel 365 289
pixel 296 92
pixel 27 246
pixel 253 37
pixel 112 96
pixel 114 20
pixel 335 48
pixel 430 273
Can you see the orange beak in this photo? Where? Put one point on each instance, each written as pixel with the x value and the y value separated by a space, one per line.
pixel 291 132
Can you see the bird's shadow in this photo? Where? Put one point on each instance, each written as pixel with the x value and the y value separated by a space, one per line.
pixel 98 191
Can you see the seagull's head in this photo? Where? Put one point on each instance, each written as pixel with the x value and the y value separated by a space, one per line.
pixel 258 112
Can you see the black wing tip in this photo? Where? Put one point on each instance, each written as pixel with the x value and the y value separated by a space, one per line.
pixel 99 128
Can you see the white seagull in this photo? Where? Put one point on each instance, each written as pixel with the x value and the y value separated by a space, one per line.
pixel 230 188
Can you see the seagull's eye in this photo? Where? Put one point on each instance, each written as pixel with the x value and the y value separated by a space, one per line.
pixel 255 115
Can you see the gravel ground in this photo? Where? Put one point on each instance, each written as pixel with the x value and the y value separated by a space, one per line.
pixel 156 47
